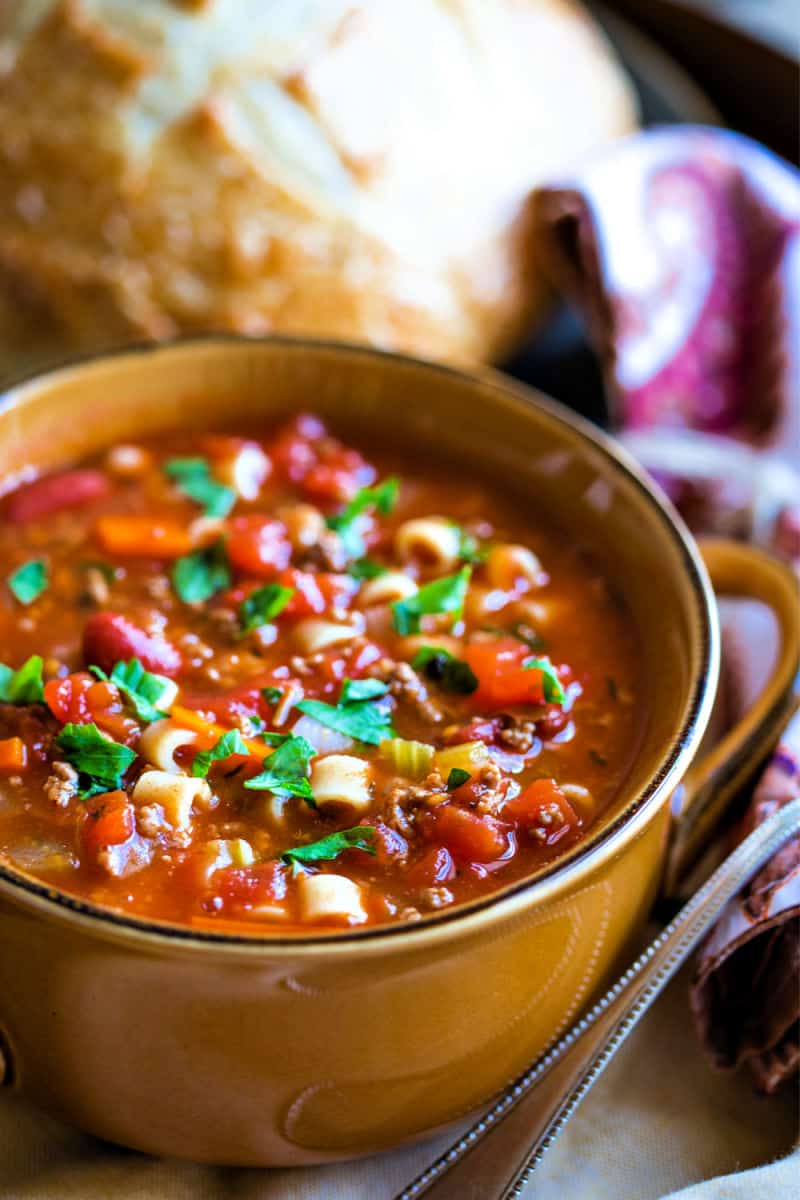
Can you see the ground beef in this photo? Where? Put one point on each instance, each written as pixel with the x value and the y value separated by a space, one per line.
pixel 408 688
pixel 517 733
pixel 34 724
pixel 62 784
pixel 492 789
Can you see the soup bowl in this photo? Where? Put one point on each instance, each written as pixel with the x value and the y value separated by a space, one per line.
pixel 261 1050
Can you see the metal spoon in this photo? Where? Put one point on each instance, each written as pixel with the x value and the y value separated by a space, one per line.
pixel 495 1158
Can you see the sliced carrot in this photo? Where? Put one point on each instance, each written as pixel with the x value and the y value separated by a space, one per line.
pixel 13 754
pixel 109 820
pixel 143 537
pixel 211 730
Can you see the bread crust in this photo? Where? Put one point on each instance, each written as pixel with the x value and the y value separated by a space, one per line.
pixel 361 173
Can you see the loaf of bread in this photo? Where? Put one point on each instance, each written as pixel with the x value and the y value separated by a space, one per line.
pixel 349 169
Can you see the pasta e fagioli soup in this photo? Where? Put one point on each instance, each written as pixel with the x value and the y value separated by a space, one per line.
pixel 274 682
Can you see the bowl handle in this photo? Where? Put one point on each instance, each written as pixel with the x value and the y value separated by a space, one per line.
pixel 737 569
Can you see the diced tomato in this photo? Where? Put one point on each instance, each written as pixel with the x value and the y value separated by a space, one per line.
pixel 244 700
pixel 390 846
pixel 543 812
pixel 316 592
pixel 109 821
pixel 337 664
pixel 305 454
pixel 54 493
pixel 80 698
pixel 109 638
pixel 258 545
pixel 13 755
pixel 435 866
pixel 502 678
pixel 243 888
pixel 468 837
pixel 475 731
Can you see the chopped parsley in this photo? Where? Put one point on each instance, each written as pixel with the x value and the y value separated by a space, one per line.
pixel 24 686
pixel 193 477
pixel 286 770
pixel 442 667
pixel 551 684
pixel 271 694
pixel 366 568
pixel 263 605
pixel 382 498
pixel 361 837
pixel 444 595
pixel 356 715
pixel 100 763
pixel 197 577
pixel 456 778
pixel 141 688
pixel 230 743
pixel 28 581
pixel 469 548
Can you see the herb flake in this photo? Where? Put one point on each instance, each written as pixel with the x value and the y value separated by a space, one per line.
pixel 24 686
pixel 263 605
pixel 356 715
pixel 382 498
pixel 100 763
pixel 442 667
pixel 193 477
pixel 230 743
pixel 198 576
pixel 361 837
pixel 457 777
pixel 141 688
pixel 444 595
pixel 286 770
pixel 551 684
pixel 28 581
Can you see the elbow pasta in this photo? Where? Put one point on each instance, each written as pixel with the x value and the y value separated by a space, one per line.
pixel 508 566
pixel 176 795
pixel 342 781
pixel 314 635
pixel 434 541
pixel 161 741
pixel 386 589
pixel 331 898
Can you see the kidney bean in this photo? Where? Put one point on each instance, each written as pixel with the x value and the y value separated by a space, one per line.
pixel 53 493
pixel 109 638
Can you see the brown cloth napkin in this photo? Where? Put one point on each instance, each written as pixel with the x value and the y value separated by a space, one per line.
pixel 682 248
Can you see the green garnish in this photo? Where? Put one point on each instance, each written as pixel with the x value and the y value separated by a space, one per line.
pixel 519 630
pixel 108 572
pixel 230 743
pixel 263 605
pixel 28 581
pixel 355 715
pixel 361 837
pixel 24 686
pixel 442 596
pixel 198 576
pixel 271 694
pixel 469 548
pixel 456 777
pixel 551 685
pixel 141 688
pixel 442 667
pixel 366 568
pixel 100 763
pixel 193 477
pixel 286 769
pixel 382 498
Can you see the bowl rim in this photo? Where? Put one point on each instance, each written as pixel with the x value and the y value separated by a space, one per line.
pixel 111 924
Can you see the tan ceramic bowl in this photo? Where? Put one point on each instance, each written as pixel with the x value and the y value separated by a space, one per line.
pixel 270 1050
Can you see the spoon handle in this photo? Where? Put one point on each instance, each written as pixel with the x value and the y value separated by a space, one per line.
pixel 494 1159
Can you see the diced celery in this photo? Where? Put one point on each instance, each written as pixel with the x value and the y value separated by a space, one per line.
pixel 411 759
pixel 468 756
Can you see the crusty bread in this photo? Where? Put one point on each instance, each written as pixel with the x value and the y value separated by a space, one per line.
pixel 348 169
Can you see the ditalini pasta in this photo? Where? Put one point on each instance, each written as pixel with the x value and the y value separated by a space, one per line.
pixel 249 682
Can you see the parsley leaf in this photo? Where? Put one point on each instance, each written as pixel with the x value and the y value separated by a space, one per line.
pixel 99 762
pixel 262 605
pixel 354 690
pixel 361 837
pixel 198 576
pixel 271 694
pixel 442 667
pixel 469 548
pixel 24 686
pixel 286 769
pixel 141 688
pixel 28 581
pixel 230 743
pixel 551 684
pixel 366 568
pixel 444 595
pixel 382 498
pixel 456 777
pixel 355 715
pixel 193 477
